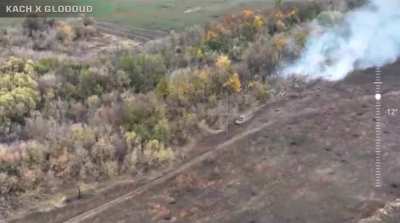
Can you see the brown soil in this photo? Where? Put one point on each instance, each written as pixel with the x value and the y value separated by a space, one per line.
pixel 308 158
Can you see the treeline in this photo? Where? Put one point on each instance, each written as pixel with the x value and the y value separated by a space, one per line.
pixel 69 121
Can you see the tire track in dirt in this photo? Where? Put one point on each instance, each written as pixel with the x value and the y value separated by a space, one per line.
pixel 221 147
pixel 286 113
pixel 184 167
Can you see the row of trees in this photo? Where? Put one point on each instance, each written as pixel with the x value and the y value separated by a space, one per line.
pixel 126 112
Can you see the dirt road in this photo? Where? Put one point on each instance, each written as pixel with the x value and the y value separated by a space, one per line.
pixel 306 158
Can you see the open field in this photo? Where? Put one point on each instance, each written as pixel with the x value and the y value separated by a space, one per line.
pixel 167 14
pixel 143 20
pixel 161 15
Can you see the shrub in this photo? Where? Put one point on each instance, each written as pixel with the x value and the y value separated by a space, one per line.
pixel 110 168
pixel 144 115
pixel 85 32
pixel 35 154
pixel 179 86
pixel 18 90
pixel 30 178
pixel 103 151
pixel 162 89
pixel 154 151
pixel 133 150
pixel 79 81
pixel 69 77
pixel 217 42
pixel 93 102
pixel 93 81
pixel 310 11
pixel 233 33
pixel 263 56
pixel 144 70
pixel 45 65
pixel 183 126
pixel 83 135
pixel 65 32
pixel 186 87
pixel 36 24
pixel 233 83
pixel 8 184
pixel 223 62
pixel 259 90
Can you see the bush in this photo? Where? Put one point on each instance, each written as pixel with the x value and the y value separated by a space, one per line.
pixel 233 33
pixel 154 151
pixel 18 90
pixel 144 70
pixel 85 32
pixel 69 76
pixel 310 11
pixel 45 65
pixel 103 151
pixel 37 127
pixel 259 90
pixel 133 150
pixel 187 87
pixel 83 135
pixel 223 62
pixel 30 179
pixel 36 24
pixel 144 115
pixel 8 184
pixel 80 81
pixel 35 154
pixel 183 126
pixel 65 32
pixel 233 83
pixel 93 81
pixel 263 56
pixel 21 168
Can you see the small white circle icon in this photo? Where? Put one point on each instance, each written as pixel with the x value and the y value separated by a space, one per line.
pixel 378 97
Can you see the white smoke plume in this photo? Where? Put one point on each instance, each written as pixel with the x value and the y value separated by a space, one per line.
pixel 367 37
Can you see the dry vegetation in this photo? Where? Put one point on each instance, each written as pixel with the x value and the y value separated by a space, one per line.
pixel 63 122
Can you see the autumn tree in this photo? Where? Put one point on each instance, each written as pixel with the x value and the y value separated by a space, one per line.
pixel 19 92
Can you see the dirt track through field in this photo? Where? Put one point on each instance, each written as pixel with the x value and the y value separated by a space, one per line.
pixel 177 171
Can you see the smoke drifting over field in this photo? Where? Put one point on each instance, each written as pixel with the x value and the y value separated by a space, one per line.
pixel 367 37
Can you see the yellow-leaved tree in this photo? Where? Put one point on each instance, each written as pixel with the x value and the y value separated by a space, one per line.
pixel 223 62
pixel 233 83
pixel 19 92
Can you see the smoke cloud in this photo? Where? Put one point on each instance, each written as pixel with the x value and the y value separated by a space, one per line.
pixel 367 37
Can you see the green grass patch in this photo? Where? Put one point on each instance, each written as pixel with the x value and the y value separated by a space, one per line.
pixel 168 14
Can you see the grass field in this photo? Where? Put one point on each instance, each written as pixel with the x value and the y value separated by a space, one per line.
pixel 167 14
pixel 160 14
